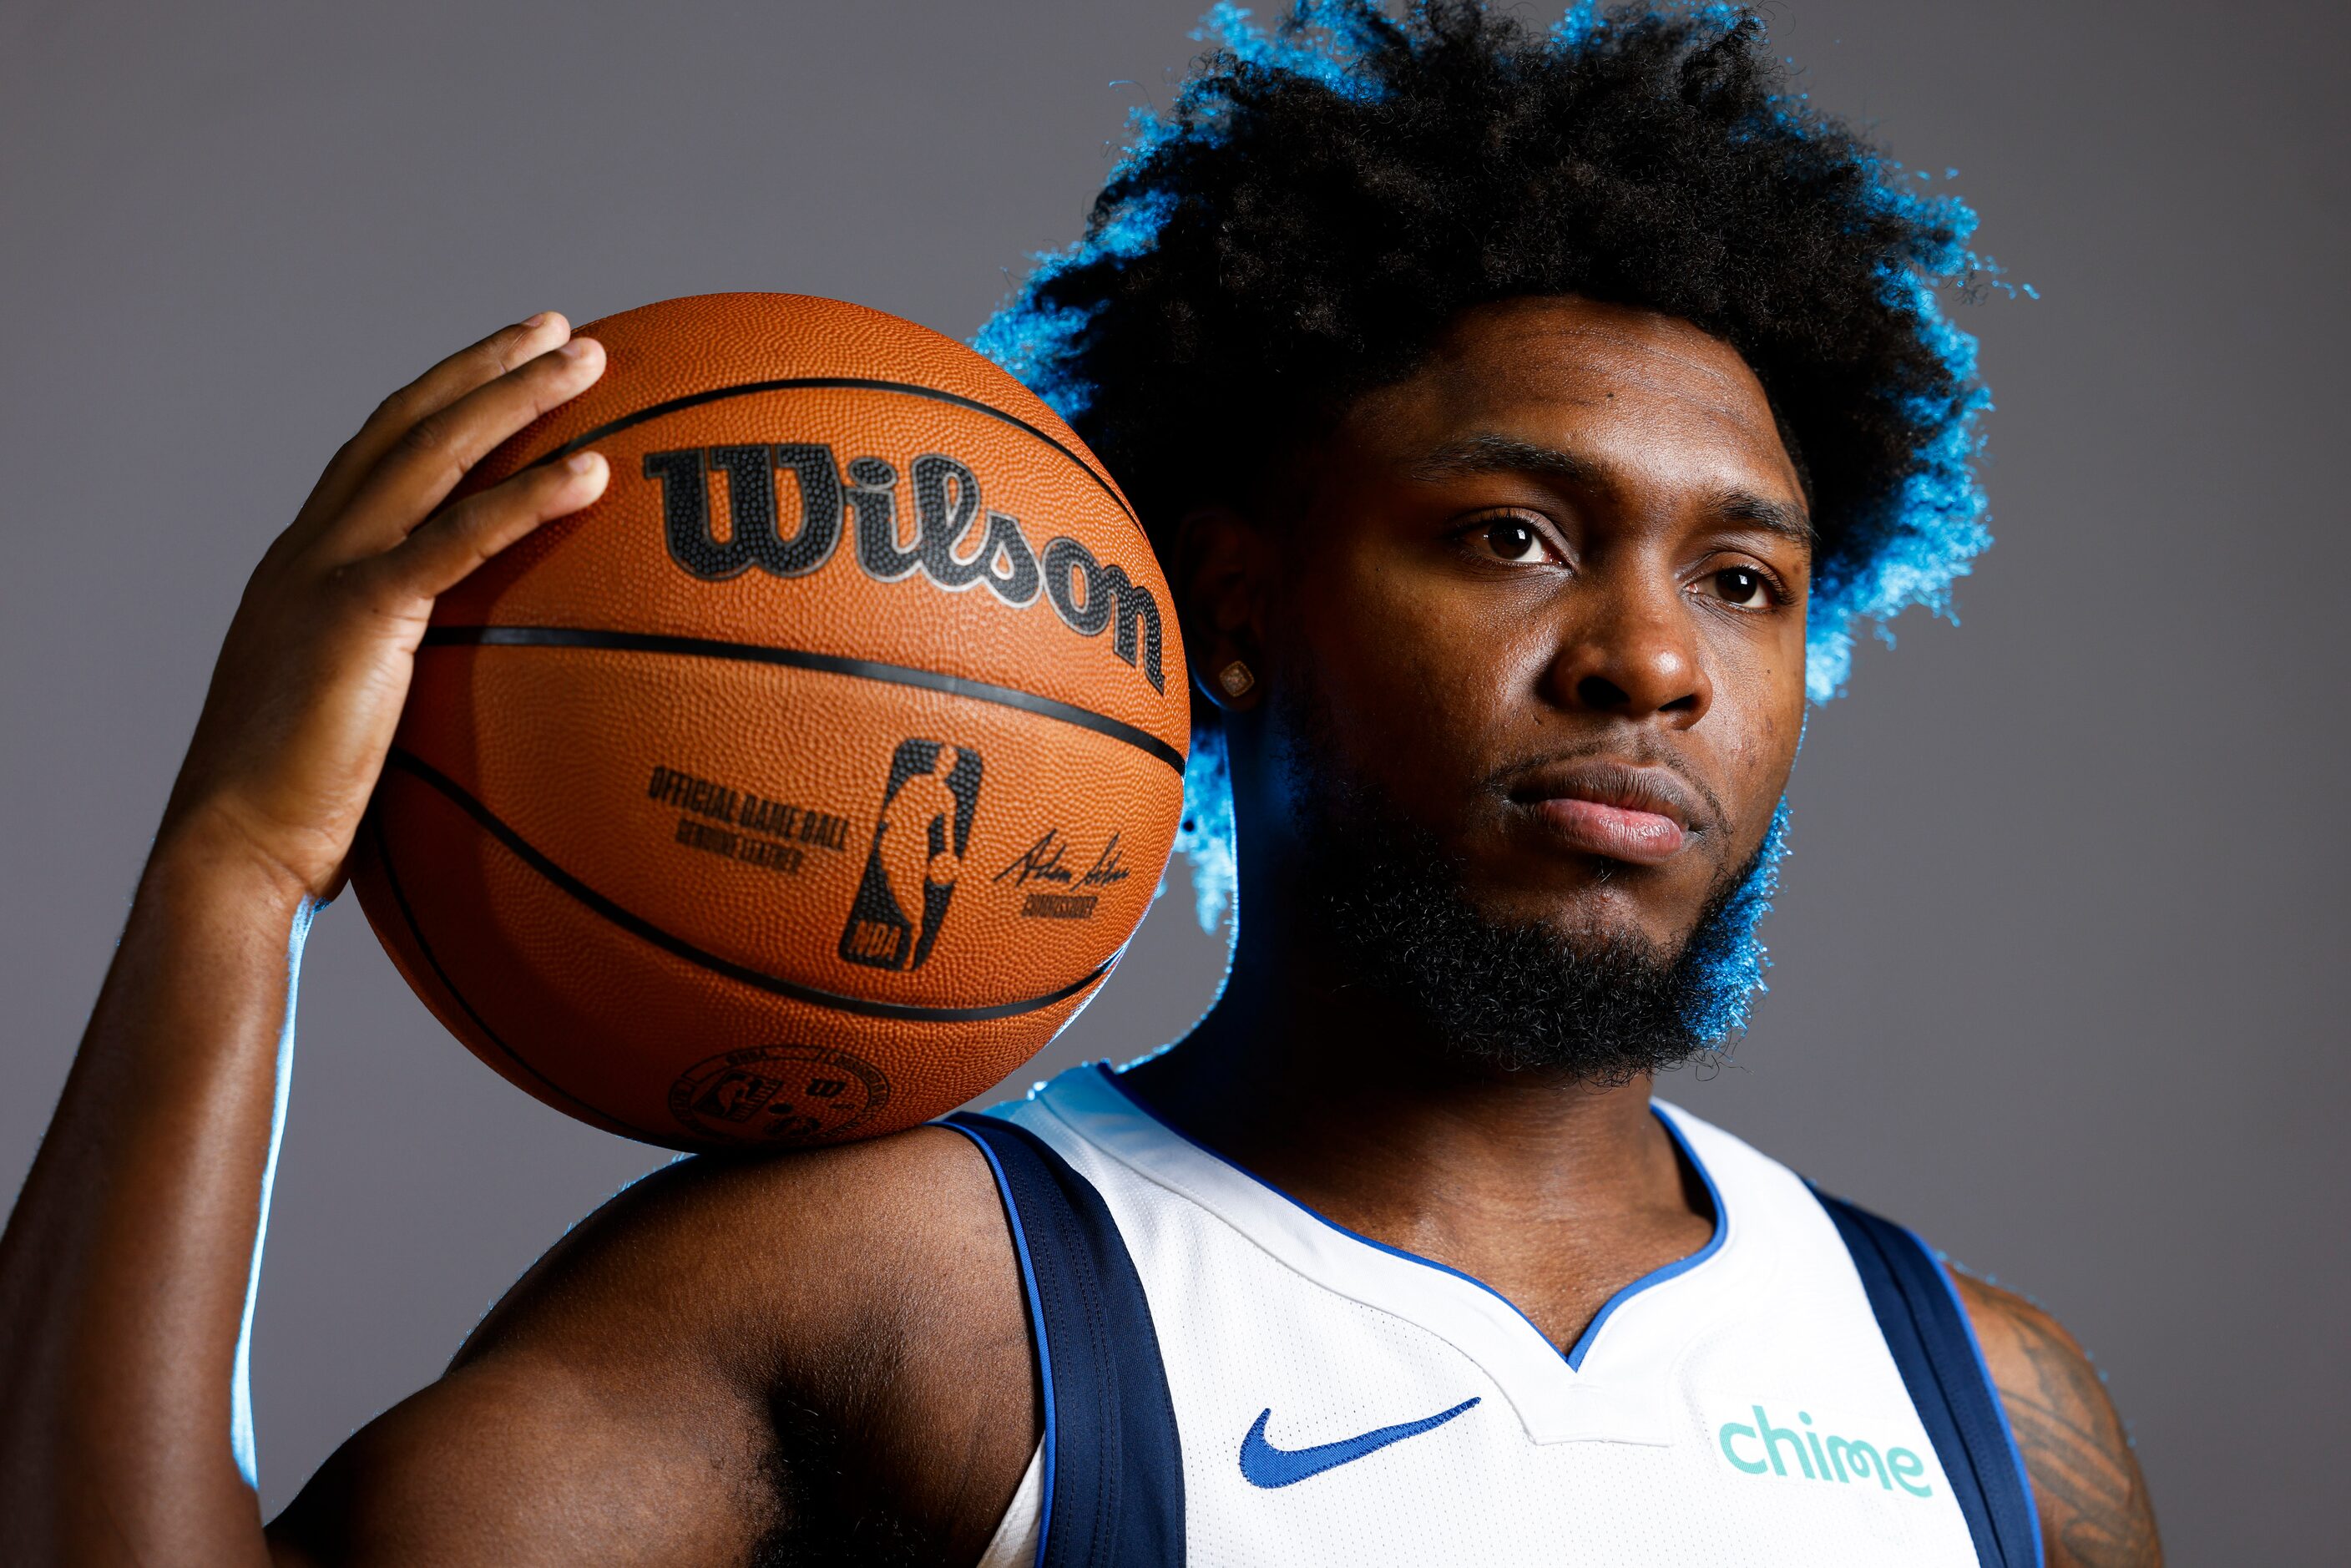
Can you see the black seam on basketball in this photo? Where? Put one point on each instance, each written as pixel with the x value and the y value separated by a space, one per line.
pixel 801 659
pixel 580 1107
pixel 857 383
pixel 669 942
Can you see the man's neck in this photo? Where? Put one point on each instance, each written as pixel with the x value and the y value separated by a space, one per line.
pixel 1553 1191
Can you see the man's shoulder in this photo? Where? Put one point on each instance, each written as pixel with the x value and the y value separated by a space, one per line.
pixel 803 1248
pixel 733 1359
pixel 2092 1500
pixel 2085 1479
pixel 859 1306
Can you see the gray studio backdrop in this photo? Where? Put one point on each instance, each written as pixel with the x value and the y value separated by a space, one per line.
pixel 2058 951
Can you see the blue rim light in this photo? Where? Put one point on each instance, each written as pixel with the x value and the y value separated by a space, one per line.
pixel 1919 540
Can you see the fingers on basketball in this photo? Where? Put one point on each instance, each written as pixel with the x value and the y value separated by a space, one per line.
pixel 429 460
pixel 475 365
pixel 439 555
pixel 671 824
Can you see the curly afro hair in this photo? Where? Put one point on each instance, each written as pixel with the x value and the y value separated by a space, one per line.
pixel 1325 195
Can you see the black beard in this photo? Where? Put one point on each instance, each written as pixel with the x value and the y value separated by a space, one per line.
pixel 1597 1006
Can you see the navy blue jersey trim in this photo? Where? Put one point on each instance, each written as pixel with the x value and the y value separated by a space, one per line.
pixel 1934 1346
pixel 1113 1464
pixel 1036 1332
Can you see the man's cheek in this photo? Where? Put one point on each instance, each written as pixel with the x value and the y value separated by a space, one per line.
pixel 1756 728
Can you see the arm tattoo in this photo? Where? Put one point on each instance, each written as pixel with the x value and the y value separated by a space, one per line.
pixel 2095 1510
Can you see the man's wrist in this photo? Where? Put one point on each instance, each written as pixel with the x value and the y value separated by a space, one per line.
pixel 204 853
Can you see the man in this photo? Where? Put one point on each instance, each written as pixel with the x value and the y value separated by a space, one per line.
pixel 1522 421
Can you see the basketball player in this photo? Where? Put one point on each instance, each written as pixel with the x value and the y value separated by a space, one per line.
pixel 1521 418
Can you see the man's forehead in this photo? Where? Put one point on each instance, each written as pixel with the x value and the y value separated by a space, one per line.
pixel 1574 389
pixel 1571 328
pixel 1580 353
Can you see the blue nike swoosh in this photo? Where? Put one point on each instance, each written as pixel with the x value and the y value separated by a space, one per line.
pixel 1263 1465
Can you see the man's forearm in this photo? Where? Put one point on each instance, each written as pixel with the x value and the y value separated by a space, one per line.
pixel 124 1266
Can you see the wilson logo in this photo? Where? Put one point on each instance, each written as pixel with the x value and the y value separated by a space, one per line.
pixel 1758 1450
pixel 957 543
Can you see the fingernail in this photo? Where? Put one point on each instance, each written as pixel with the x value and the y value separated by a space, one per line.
pixel 534 322
pixel 576 347
pixel 582 462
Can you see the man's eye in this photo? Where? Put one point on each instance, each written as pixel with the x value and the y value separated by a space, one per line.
pixel 1514 541
pixel 1741 587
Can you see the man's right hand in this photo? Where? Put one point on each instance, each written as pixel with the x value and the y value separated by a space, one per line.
pixel 309 683
pixel 624 1403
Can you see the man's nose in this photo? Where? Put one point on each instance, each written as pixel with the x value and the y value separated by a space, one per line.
pixel 1630 648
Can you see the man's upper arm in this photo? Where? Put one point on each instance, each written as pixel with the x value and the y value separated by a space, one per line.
pixel 621 1404
pixel 610 1409
pixel 524 1460
pixel 2095 1510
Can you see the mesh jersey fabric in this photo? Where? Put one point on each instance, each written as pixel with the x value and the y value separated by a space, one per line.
pixel 1739 1406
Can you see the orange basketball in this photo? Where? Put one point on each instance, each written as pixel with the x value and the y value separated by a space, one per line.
pixel 807 783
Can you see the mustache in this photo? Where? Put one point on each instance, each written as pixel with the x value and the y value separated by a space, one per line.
pixel 1635 750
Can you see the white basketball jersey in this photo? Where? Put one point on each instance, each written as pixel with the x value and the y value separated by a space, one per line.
pixel 1340 1404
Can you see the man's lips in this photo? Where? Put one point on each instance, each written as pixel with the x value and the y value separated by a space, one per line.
pixel 1639 815
pixel 1642 838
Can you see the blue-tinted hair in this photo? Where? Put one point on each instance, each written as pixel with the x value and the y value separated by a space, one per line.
pixel 1324 194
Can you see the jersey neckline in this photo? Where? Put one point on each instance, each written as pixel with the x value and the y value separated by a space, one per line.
pixel 1617 1392
pixel 1574 1353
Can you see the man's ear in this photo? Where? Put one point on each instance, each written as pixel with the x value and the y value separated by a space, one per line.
pixel 1224 569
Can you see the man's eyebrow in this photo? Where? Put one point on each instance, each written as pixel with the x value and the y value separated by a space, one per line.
pixel 1501 455
pixel 1790 523
pixel 1492 454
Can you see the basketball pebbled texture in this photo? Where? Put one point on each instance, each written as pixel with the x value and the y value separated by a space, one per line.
pixel 803 785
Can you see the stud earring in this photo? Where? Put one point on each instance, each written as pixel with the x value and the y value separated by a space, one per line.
pixel 1235 679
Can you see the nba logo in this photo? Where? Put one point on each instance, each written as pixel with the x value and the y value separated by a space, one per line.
pixel 918 852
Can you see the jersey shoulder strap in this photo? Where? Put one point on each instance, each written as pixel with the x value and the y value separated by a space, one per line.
pixel 1113 1472
pixel 1925 1326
